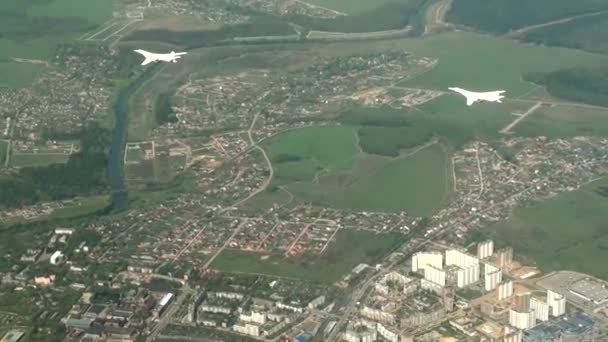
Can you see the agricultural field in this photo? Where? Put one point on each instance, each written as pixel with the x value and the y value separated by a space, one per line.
pixel 500 16
pixel 31 31
pixel 37 159
pixel 323 166
pixel 565 121
pixel 350 248
pixel 566 232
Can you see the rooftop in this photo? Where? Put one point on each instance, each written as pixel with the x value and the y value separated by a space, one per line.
pixel 591 289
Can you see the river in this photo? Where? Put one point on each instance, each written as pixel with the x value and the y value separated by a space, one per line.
pixel 119 137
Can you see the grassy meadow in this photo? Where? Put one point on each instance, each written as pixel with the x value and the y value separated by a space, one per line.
pixel 350 248
pixel 565 121
pixel 324 166
pixel 33 159
pixel 565 232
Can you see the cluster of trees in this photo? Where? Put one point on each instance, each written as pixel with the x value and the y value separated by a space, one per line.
pixel 501 16
pixel 163 111
pixel 385 131
pixel 588 33
pixel 586 85
pixel 83 174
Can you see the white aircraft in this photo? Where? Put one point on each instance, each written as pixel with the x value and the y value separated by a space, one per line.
pixel 160 57
pixel 472 97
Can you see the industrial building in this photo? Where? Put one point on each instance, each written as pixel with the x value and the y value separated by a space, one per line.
pixel 590 290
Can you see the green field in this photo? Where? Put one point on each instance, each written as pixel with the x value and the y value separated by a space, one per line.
pixel 350 249
pixel 93 11
pixel 32 30
pixel 481 62
pixel 416 184
pixel 31 159
pixel 565 121
pixel 327 149
pixel 450 118
pixel 566 232
pixel 322 165
pixel 354 6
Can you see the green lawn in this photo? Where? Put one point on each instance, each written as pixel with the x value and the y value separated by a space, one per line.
pixel 317 148
pixel 31 159
pixel 353 7
pixel 566 232
pixel 350 249
pixel 416 184
pixel 324 167
pixel 93 11
pixel 482 62
pixel 450 117
pixel 565 121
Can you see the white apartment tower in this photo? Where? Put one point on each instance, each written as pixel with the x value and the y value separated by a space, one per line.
pixel 557 303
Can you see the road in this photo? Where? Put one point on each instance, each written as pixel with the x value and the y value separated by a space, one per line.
pixel 357 295
pixel 255 145
pixel 508 128
pixel 236 231
pixel 167 316
pixel 551 23
pixel 435 16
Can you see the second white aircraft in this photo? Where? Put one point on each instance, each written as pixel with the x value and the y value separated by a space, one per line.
pixel 472 97
pixel 160 57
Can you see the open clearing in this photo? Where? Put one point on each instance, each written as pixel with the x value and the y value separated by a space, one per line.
pixel 566 232
pixel 37 159
pixel 350 248
pixel 322 165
